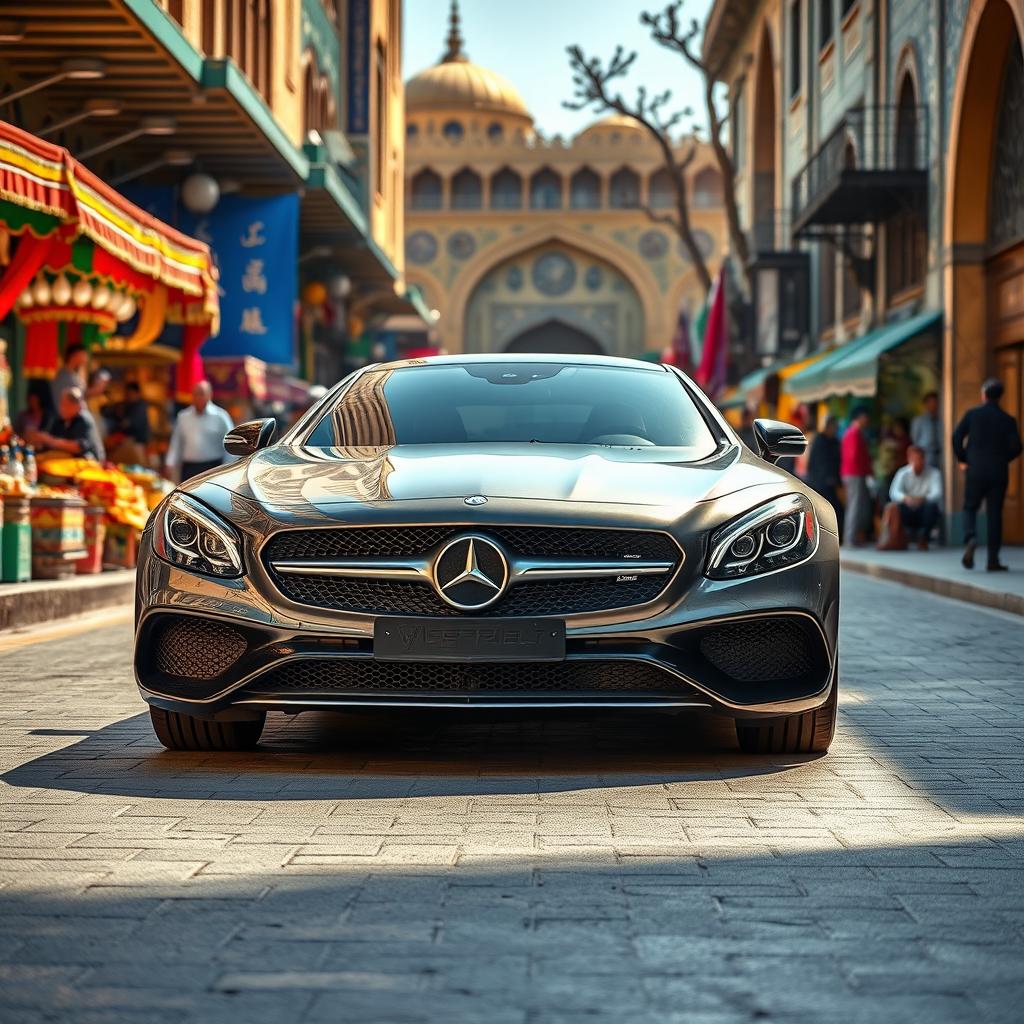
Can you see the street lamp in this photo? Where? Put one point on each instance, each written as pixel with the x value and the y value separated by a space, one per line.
pixel 147 126
pixel 77 69
pixel 92 108
pixel 171 158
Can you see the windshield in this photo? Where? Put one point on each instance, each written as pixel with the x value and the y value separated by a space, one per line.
pixel 515 402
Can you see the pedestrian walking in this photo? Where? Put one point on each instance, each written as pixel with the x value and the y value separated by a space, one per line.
pixel 197 443
pixel 855 467
pixel 823 462
pixel 926 431
pixel 985 442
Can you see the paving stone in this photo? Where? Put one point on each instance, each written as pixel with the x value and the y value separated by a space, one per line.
pixel 525 869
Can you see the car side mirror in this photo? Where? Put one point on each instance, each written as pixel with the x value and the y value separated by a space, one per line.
pixel 249 437
pixel 777 440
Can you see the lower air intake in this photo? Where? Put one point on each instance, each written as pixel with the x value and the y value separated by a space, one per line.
pixel 193 648
pixel 762 650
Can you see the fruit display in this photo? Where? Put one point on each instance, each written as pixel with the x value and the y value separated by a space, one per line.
pixel 123 500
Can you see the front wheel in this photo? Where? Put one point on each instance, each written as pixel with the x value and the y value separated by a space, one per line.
pixel 184 732
pixel 810 732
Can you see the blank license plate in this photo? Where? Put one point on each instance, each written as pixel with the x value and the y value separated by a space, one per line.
pixel 409 639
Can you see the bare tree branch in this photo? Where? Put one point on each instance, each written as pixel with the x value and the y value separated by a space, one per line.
pixel 661 218
pixel 667 29
pixel 595 86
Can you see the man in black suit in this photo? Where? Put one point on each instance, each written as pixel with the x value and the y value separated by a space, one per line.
pixel 993 442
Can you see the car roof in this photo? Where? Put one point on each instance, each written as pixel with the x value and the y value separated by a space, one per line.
pixel 466 359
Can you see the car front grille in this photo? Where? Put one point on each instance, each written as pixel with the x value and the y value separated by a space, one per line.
pixel 189 647
pixel 413 597
pixel 353 675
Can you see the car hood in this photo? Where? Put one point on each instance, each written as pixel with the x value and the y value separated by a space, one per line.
pixel 296 479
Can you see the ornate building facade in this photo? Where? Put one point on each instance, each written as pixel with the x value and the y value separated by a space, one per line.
pixel 526 244
pixel 880 142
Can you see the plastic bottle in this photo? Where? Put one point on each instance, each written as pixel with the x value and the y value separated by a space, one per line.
pixel 5 459
pixel 18 466
pixel 31 468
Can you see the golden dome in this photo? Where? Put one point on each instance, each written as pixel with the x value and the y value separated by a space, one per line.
pixel 457 84
pixel 461 85
pixel 610 124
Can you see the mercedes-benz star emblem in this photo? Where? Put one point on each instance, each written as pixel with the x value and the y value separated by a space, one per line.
pixel 476 499
pixel 470 572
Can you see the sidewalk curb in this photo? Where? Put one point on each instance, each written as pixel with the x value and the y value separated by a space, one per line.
pixel 28 604
pixel 960 590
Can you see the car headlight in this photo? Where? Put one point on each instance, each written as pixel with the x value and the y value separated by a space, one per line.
pixel 772 536
pixel 190 535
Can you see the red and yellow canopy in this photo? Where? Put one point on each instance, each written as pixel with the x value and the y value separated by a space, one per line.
pixel 46 192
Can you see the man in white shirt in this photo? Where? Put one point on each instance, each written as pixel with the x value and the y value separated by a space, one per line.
pixel 917 489
pixel 197 443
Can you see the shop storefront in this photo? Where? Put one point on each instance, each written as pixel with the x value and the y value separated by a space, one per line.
pixel 80 265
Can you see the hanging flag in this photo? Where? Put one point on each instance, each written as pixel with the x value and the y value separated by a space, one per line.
pixel 710 374
pixel 700 325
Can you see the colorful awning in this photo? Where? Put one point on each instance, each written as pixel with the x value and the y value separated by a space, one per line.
pixel 852 369
pixel 47 180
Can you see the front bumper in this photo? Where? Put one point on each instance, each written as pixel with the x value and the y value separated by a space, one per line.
pixel 700 647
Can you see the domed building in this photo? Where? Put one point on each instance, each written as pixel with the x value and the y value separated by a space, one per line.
pixel 529 244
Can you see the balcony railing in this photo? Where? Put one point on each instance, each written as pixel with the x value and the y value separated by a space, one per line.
pixel 873 162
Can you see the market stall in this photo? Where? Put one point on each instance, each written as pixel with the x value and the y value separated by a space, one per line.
pixel 86 261
pixel 80 264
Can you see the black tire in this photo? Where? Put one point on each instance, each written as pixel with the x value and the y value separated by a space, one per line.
pixel 808 733
pixel 183 732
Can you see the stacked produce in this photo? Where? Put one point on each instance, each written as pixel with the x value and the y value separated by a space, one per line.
pixel 121 498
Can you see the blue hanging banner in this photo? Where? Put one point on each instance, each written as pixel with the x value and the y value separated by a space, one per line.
pixel 359 70
pixel 255 244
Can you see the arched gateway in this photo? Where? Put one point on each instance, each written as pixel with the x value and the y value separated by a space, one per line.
pixel 556 338
pixel 554 298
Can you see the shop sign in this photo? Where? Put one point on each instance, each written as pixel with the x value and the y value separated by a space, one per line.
pixel 255 245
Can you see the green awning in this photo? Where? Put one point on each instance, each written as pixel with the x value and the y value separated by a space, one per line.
pixel 852 369
pixel 757 378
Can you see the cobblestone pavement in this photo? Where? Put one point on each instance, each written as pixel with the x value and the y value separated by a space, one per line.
pixel 525 868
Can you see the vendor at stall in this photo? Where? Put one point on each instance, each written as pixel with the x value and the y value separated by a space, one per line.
pixel 72 433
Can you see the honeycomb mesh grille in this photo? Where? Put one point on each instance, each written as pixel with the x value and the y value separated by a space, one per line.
pixel 760 650
pixel 540 541
pixel 547 597
pixel 194 648
pixel 364 675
